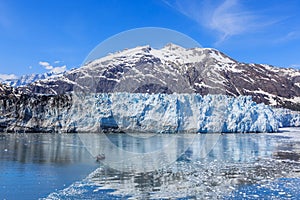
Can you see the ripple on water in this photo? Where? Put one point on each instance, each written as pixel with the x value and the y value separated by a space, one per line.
pixel 200 180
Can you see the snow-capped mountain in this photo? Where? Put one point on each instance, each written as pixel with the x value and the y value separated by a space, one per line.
pixel 8 92
pixel 124 92
pixel 4 90
pixel 28 79
pixel 176 69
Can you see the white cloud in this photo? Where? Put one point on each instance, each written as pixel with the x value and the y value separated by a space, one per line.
pixel 4 77
pixel 51 68
pixel 46 65
pixel 58 70
pixel 228 18
pixel 57 61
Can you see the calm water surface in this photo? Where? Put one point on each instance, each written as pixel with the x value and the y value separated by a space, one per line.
pixel 207 166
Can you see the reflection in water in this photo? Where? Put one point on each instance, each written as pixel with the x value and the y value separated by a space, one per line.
pixel 210 180
pixel 140 154
pixel 35 165
pixel 234 162
pixel 42 148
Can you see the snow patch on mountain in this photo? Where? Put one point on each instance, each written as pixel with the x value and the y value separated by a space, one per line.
pixel 169 53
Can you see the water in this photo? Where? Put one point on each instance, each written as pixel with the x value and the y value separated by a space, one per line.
pixel 34 165
pixel 211 166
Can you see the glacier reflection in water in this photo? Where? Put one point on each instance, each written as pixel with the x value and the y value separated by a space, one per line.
pixel 34 165
pixel 238 166
pixel 140 152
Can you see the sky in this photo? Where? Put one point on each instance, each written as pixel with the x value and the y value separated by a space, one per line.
pixel 54 35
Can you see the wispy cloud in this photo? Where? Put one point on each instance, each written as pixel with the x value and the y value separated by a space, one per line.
pixel 5 18
pixel 228 17
pixel 51 68
pixel 288 37
pixel 4 77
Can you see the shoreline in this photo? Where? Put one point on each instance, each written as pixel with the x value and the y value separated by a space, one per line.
pixel 280 130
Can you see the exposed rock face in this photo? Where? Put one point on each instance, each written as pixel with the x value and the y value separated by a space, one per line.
pixel 21 112
pixel 176 69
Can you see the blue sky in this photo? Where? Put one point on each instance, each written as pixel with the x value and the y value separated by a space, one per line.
pixel 50 35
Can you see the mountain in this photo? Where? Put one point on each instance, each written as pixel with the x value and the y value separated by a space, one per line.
pixel 8 92
pixel 156 90
pixel 174 69
pixel 27 79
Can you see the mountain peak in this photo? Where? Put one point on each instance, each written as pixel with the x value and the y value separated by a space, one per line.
pixel 30 78
pixel 172 46
pixel 177 69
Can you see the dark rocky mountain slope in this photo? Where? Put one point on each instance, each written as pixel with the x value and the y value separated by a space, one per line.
pixel 176 69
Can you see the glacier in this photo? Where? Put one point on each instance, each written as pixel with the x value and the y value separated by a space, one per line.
pixel 287 118
pixel 142 112
pixel 169 113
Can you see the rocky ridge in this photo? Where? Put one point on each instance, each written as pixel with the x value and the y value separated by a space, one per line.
pixel 176 69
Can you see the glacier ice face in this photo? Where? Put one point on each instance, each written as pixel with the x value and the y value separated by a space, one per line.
pixel 137 112
pixel 172 113
pixel 287 118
